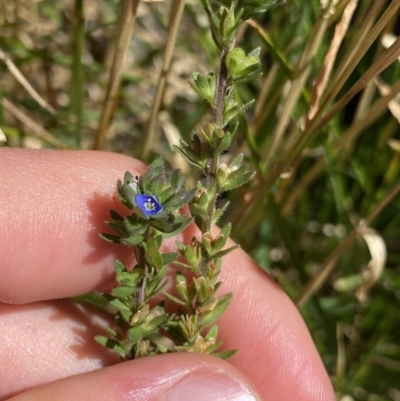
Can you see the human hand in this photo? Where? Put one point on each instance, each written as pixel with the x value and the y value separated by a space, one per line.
pixel 53 205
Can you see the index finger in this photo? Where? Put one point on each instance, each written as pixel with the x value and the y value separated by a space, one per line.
pixel 52 208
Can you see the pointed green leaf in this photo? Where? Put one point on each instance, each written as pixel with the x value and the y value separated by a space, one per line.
pixel 118 227
pixel 212 333
pixel 220 254
pixel 111 238
pixel 190 157
pixel 180 199
pixel 236 179
pixel 220 307
pixel 134 334
pixel 155 281
pixel 219 212
pixel 122 291
pixel 133 240
pixel 204 86
pixel 115 216
pixel 175 299
pixel 120 305
pixel 223 144
pixel 226 354
pixel 168 258
pixel 112 344
pixel 236 162
pixel 153 254
pixel 155 323
pixel 198 210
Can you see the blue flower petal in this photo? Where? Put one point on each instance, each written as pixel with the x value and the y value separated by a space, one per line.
pixel 148 204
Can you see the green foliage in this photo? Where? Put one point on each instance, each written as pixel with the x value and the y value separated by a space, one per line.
pixel 204 86
pixel 154 200
pixel 242 67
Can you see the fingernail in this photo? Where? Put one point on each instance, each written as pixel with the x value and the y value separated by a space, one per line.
pixel 206 386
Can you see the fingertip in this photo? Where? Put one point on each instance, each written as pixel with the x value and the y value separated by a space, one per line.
pixel 172 377
pixel 53 205
pixel 275 346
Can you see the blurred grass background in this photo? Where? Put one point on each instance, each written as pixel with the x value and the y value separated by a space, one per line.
pixel 322 215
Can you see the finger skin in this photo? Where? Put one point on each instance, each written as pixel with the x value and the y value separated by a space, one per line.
pixel 70 194
pixel 45 341
pixel 148 379
pixel 52 208
pixel 276 349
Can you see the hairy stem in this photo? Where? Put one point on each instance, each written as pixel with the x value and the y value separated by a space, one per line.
pixel 222 82
pixel 218 120
pixel 140 289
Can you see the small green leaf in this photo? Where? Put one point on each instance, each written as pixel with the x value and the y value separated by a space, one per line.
pixel 134 334
pixel 223 144
pixel 131 278
pixel 153 255
pixel 115 216
pixel 133 240
pixel 175 299
pixel 226 354
pixel 212 333
pixel 119 305
pixel 220 307
pixel 177 179
pixel 231 113
pixel 222 237
pixel 170 230
pixel 122 291
pixel 220 254
pixel 229 23
pixel 134 226
pixel 198 210
pixel 118 227
pixel 252 7
pixel 111 332
pixel 191 256
pixel 112 344
pixel 236 162
pixel 126 315
pixel 168 258
pixel 202 290
pixel 235 179
pixel 111 238
pixel 204 86
pixel 241 66
pixel 128 178
pixel 195 269
pixel 191 157
pixel 119 267
pixel 155 323
pixel 122 196
pixel 180 199
pixel 129 195
pixel 184 294
pixel 226 230
pixel 155 281
pixel 219 212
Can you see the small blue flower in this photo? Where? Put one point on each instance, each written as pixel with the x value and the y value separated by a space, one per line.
pixel 148 204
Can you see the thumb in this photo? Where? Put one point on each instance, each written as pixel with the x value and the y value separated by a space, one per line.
pixel 172 377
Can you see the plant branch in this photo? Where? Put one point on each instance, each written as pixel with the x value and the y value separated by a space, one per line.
pixel 222 83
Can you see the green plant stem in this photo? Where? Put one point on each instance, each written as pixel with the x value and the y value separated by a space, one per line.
pixel 218 120
pixel 140 259
pixel 222 82
pixel 140 255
